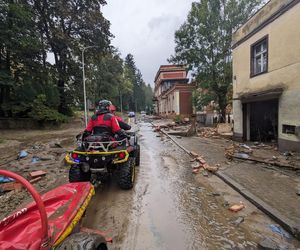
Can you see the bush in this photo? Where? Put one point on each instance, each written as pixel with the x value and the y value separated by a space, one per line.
pixel 177 119
pixel 41 112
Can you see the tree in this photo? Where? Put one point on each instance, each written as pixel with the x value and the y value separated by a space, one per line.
pixel 203 43
pixel 67 26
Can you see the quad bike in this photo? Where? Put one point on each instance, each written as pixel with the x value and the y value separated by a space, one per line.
pixel 100 155
pixel 52 221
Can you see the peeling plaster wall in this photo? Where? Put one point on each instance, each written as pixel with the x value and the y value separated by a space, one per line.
pixel 283 67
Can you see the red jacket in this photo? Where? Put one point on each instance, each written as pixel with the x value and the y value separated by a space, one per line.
pixel 107 119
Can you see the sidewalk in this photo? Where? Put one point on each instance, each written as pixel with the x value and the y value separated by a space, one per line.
pixel 268 187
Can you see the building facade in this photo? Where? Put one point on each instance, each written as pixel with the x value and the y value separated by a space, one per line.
pixel 172 93
pixel 266 76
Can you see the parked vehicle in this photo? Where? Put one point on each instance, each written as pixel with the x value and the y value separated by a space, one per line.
pixel 131 114
pixel 100 156
pixel 52 221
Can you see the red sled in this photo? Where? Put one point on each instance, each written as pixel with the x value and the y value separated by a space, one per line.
pixel 52 221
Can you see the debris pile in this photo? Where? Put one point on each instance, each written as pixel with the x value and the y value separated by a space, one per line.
pixel 208 132
pixel 262 153
pixel 40 164
pixel 200 163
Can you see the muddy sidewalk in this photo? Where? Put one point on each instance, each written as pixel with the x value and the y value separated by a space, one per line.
pixel 45 151
pixel 276 187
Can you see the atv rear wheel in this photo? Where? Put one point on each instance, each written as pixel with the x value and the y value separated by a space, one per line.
pixel 137 155
pixel 83 241
pixel 77 175
pixel 126 174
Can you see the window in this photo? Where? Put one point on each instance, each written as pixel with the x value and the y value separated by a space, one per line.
pixel 288 129
pixel 259 57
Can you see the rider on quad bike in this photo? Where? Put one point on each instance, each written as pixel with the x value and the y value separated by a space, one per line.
pixel 104 149
pixel 104 122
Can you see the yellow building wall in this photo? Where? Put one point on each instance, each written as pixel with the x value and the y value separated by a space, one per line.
pixel 283 70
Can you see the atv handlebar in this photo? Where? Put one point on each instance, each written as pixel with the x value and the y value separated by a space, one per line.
pixel 39 203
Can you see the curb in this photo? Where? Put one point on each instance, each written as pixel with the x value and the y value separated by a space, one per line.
pixel 282 220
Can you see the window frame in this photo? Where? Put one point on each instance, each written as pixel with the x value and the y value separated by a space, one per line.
pixel 252 50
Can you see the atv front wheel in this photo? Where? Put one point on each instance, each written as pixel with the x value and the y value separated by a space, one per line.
pixel 77 175
pixel 83 241
pixel 126 175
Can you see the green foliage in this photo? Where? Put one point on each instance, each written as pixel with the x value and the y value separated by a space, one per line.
pixel 202 98
pixel 41 112
pixel 177 119
pixel 30 30
pixel 203 43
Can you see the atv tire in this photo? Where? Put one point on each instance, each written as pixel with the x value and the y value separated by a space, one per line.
pixel 83 241
pixel 77 175
pixel 126 174
pixel 137 155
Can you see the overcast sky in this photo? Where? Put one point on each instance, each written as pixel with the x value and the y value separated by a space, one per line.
pixel 145 28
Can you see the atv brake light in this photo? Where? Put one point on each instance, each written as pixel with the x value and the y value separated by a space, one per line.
pixel 74 155
pixel 122 155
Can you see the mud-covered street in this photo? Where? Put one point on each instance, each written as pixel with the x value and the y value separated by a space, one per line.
pixel 170 208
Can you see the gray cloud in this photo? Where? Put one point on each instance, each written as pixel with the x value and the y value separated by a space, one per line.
pixel 145 28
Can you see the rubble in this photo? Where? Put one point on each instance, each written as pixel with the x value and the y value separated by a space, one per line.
pixel 10 186
pixel 38 173
pixel 193 154
pixel 207 132
pixel 237 207
pixel 259 153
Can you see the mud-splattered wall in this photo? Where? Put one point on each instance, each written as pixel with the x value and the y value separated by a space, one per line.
pixel 283 66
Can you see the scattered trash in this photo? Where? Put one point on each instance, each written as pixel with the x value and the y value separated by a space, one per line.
pixel 241 155
pixel 179 137
pixel 4 179
pixel 267 244
pixel 22 154
pixel 215 194
pixel 37 173
pixel 239 220
pixel 274 158
pixel 158 135
pixel 256 143
pixel 288 153
pixel 35 159
pixel 245 146
pixel 236 208
pixel 277 229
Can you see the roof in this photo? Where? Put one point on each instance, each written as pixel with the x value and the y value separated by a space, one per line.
pixel 169 68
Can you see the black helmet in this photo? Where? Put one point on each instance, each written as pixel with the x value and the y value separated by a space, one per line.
pixel 103 106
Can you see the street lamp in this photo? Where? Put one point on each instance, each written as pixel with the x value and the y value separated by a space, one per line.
pixel 83 79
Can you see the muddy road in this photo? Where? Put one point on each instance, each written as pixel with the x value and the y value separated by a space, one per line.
pixel 170 208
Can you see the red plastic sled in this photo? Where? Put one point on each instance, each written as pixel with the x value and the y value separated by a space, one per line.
pixel 47 222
